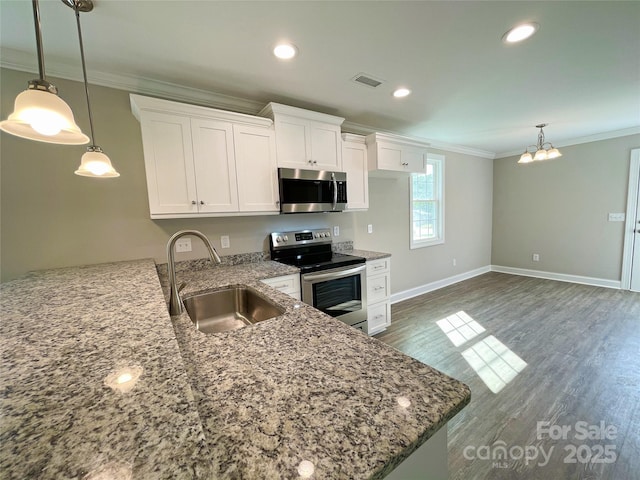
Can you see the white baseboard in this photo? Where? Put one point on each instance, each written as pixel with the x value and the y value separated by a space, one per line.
pixel 445 282
pixel 430 287
pixel 562 277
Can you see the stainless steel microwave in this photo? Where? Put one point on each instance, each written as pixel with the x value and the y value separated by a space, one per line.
pixel 305 191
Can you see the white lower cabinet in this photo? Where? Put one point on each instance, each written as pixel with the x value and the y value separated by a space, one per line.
pixel 289 284
pixel 378 295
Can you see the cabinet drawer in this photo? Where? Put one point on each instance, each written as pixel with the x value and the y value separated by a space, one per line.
pixel 377 288
pixel 375 267
pixel 379 317
pixel 286 284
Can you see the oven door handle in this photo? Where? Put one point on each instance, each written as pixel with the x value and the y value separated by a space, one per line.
pixel 309 277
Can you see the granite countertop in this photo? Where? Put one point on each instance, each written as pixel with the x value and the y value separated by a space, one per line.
pixel 251 403
pixel 304 386
pixel 63 334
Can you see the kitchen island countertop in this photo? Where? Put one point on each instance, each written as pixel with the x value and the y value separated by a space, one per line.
pixel 251 403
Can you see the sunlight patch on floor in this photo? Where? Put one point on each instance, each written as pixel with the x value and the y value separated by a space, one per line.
pixel 460 328
pixel 494 363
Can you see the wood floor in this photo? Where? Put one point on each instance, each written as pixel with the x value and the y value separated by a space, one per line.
pixel 581 345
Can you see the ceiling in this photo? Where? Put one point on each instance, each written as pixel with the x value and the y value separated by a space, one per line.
pixel 580 73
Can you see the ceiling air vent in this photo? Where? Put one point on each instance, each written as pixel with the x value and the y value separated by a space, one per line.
pixel 368 80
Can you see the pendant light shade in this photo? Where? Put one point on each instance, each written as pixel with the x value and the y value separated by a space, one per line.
pixel 45 117
pixel 94 163
pixel 39 114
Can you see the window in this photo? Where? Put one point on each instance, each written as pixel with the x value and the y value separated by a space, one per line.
pixel 427 204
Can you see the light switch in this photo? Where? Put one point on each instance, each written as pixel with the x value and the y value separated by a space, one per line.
pixel 336 231
pixel 616 217
pixel 369 228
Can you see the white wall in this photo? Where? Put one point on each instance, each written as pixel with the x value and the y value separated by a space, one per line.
pixel 559 209
pixel 468 212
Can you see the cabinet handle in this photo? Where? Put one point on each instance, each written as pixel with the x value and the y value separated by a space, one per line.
pixel 378 288
pixel 378 316
pixel 378 267
pixel 201 202
pixel 193 202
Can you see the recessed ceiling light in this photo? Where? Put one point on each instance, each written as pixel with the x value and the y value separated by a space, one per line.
pixel 520 32
pixel 401 92
pixel 285 51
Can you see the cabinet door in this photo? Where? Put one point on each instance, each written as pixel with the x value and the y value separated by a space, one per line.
pixel 256 167
pixel 413 160
pixel 168 157
pixel 389 157
pixel 354 163
pixel 215 166
pixel 291 140
pixel 326 146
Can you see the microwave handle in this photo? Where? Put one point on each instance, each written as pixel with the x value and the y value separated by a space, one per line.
pixel 307 277
pixel 335 190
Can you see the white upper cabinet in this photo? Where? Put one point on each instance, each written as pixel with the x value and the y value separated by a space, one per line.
pixel 215 166
pixel 395 153
pixel 255 149
pixel 168 153
pixel 306 139
pixel 206 162
pixel 354 163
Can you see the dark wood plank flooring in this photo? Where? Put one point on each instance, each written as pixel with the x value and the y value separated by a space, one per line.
pixel 581 345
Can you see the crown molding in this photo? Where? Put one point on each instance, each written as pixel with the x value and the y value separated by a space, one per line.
pixel 360 129
pixel 16 60
pixel 596 137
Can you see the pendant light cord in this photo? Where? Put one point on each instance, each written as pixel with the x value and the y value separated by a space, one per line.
pixel 36 21
pixel 84 73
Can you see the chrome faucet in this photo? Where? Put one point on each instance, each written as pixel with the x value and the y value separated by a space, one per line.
pixel 175 305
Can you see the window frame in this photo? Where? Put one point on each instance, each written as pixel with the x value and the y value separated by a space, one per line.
pixel 438 161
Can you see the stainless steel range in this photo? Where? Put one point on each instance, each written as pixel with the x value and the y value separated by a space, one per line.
pixel 332 282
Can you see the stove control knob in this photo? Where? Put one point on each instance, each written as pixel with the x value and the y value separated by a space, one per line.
pixel 286 238
pixel 327 234
pixel 317 235
pixel 278 239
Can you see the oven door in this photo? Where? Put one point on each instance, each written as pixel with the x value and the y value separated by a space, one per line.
pixel 340 292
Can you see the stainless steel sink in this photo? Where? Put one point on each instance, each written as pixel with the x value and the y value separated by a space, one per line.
pixel 229 309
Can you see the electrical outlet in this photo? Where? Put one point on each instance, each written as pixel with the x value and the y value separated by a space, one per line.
pixel 454 262
pixel 336 231
pixel 369 228
pixel 224 241
pixel 536 257
pixel 616 217
pixel 183 245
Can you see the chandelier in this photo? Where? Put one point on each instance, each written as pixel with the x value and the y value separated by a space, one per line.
pixel 542 151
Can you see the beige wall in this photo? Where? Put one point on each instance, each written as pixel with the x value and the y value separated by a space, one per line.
pixel 468 210
pixel 559 209
pixel 53 218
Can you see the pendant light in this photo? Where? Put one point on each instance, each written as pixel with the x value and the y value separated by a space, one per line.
pixel 39 113
pixel 94 162
pixel 543 150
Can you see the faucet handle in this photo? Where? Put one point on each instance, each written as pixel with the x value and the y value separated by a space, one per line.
pixel 182 285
